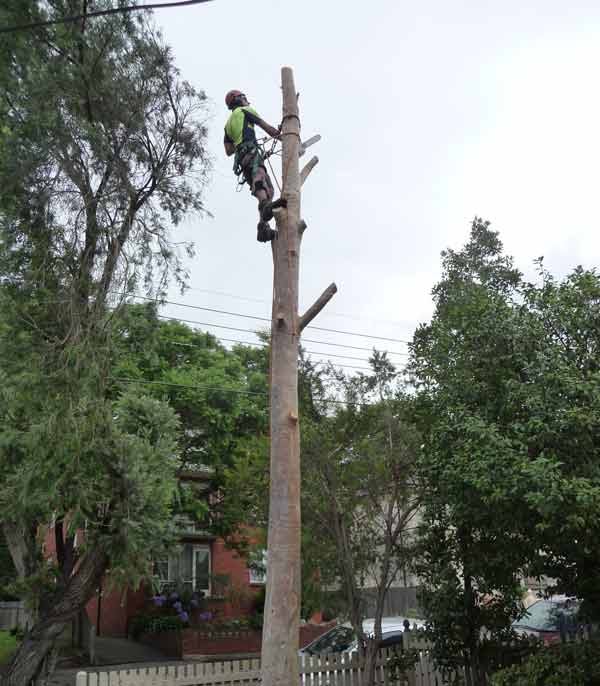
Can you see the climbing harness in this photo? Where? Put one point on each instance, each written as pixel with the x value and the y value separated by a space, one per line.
pixel 260 154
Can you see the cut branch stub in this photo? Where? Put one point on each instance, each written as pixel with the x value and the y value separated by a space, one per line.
pixel 319 304
pixel 308 167
pixel 307 143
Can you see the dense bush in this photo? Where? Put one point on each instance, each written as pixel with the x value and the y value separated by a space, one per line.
pixel 152 623
pixel 571 664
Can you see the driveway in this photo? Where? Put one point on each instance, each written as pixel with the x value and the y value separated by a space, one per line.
pixel 119 653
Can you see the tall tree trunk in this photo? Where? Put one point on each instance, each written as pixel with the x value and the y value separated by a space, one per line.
pixel 22 546
pixel 282 604
pixel 38 643
pixel 370 661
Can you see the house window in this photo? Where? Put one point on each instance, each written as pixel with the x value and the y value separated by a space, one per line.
pixel 258 568
pixel 189 568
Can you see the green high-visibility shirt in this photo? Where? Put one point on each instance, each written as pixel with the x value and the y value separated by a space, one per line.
pixel 240 126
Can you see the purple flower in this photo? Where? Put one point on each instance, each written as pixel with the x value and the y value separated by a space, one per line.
pixel 194 602
pixel 205 616
pixel 174 596
pixel 184 616
pixel 178 607
pixel 159 600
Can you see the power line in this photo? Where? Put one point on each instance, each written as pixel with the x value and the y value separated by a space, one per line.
pixel 237 391
pixel 217 326
pixel 306 340
pixel 263 301
pixel 264 345
pixel 268 319
pixel 231 340
pixel 100 13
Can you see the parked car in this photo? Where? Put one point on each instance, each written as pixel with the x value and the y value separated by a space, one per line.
pixel 342 639
pixel 548 618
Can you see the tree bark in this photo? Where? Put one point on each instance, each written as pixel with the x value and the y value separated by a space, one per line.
pixel 28 661
pixel 282 605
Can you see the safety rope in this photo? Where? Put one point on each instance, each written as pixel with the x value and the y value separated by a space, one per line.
pixel 261 145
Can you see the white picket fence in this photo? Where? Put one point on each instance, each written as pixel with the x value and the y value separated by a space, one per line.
pixel 330 670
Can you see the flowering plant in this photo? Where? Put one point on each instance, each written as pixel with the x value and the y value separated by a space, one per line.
pixel 181 604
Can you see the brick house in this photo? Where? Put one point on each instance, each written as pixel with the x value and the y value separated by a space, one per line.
pixel 202 563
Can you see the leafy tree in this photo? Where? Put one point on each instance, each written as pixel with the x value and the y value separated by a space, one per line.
pixel 218 394
pixel 358 490
pixel 506 394
pixel 101 150
pixel 360 496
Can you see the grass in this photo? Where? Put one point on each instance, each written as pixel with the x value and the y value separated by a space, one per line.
pixel 8 645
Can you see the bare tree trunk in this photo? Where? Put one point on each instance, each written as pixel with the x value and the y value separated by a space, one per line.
pixel 282 605
pixel 28 661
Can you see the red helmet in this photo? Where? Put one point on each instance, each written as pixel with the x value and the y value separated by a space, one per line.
pixel 231 98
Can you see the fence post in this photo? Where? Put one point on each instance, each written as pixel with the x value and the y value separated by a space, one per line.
pixel 81 679
pixel 92 645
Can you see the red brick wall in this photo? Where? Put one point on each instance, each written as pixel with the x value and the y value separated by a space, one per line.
pixel 116 608
pixel 194 642
pixel 226 561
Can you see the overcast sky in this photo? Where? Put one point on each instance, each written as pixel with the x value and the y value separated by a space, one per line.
pixel 430 113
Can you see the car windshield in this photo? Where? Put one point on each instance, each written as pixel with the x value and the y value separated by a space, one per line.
pixel 546 615
pixel 335 641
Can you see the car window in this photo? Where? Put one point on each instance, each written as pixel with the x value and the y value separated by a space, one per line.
pixel 340 638
pixel 547 616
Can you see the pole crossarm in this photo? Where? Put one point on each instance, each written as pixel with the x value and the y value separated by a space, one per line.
pixel 317 306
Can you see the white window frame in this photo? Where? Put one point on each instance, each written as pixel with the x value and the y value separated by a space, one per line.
pixel 256 577
pixel 197 549
pixel 171 565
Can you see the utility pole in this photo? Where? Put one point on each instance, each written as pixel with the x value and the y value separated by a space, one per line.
pixel 282 605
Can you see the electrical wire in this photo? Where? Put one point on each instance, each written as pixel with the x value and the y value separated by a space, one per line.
pixel 263 301
pixel 100 13
pixel 267 319
pixel 236 391
pixel 306 340
pixel 263 345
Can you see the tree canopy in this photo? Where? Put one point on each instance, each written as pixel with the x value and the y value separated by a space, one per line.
pixel 506 389
pixel 101 156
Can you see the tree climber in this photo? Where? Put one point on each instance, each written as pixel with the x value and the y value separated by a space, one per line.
pixel 240 139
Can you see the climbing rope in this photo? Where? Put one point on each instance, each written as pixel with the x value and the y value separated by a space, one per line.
pixel 265 152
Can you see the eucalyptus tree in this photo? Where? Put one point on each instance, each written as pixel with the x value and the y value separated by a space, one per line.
pixel 102 154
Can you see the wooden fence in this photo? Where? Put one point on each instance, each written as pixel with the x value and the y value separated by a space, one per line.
pixel 329 670
pixel 12 613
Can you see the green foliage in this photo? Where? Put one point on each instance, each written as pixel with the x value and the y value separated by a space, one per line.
pixel 8 573
pixel 8 645
pixel 154 624
pixel 572 664
pixel 507 402
pixel 17 632
pixel 101 156
pixel 400 663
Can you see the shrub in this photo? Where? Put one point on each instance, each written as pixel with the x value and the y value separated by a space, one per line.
pixel 571 664
pixel 153 624
pixel 17 632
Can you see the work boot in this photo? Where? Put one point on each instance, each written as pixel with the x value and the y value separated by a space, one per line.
pixel 266 207
pixel 264 232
